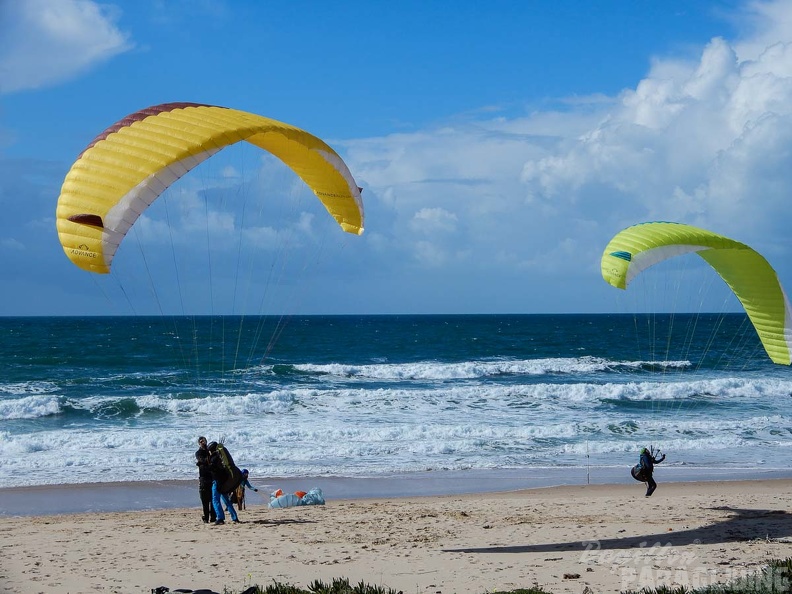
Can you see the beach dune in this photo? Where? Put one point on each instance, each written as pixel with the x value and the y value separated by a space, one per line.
pixel 604 537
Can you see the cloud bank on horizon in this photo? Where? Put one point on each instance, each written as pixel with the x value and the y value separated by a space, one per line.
pixel 511 213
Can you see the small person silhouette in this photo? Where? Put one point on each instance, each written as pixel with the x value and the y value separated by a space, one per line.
pixel 644 470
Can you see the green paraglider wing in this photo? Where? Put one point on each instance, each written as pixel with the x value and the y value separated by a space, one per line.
pixel 748 274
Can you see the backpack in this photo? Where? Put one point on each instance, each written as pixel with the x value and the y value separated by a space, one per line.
pixel 234 474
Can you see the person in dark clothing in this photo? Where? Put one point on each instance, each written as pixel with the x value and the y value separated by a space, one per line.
pixel 205 480
pixel 220 476
pixel 646 468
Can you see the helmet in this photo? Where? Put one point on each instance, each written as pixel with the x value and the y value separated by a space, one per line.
pixel 212 446
pixel 245 471
pixel 644 451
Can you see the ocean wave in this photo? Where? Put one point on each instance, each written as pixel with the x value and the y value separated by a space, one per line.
pixel 496 400
pixel 32 387
pixel 335 398
pixel 433 370
pixel 29 407
pixel 314 448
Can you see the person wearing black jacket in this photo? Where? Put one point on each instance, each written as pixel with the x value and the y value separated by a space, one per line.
pixel 220 477
pixel 646 463
pixel 205 478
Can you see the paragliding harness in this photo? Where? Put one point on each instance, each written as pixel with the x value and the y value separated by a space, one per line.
pixel 639 473
pixel 234 474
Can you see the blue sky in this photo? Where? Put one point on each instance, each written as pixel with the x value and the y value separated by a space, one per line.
pixel 500 145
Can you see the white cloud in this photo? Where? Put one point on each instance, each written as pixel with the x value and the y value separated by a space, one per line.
pixel 263 238
pixel 706 141
pixel 218 210
pixel 305 223
pixel 432 193
pixel 765 24
pixel 430 255
pixel 230 172
pixel 46 42
pixel 432 220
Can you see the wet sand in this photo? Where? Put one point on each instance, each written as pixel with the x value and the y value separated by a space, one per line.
pixel 172 494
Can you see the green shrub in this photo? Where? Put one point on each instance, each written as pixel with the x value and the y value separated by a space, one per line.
pixel 776 578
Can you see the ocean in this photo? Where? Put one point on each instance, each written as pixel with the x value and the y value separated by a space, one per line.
pixel 112 399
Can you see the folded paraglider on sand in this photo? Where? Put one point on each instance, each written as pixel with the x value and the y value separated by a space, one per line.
pixel 280 499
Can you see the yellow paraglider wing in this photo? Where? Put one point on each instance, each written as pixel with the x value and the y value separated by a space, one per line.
pixel 748 274
pixel 132 162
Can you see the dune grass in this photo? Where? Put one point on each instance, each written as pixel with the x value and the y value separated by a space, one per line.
pixel 775 578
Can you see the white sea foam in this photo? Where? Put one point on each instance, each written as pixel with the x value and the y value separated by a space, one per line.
pixel 29 407
pixel 453 399
pixel 301 432
pixel 479 369
pixel 37 387
pixel 383 418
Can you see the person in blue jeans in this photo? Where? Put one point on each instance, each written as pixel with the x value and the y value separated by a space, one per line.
pixel 218 501
pixel 219 476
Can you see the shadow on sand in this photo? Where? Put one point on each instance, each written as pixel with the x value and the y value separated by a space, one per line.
pixel 744 524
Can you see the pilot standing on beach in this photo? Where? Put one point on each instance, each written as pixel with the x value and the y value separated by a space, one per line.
pixel 645 469
pixel 219 477
pixel 205 480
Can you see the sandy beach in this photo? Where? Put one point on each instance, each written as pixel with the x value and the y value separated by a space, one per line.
pixel 604 537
